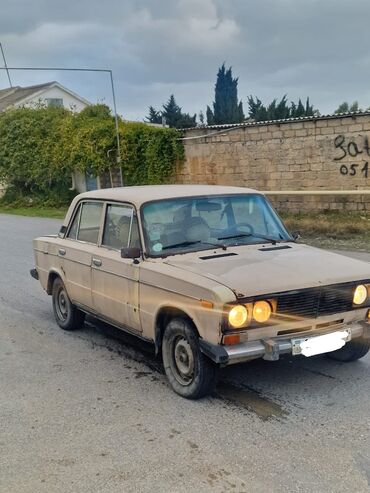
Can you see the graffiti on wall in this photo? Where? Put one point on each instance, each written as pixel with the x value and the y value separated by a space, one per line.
pixel 350 149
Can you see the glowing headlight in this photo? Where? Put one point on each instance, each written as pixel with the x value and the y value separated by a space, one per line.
pixel 360 295
pixel 261 311
pixel 238 316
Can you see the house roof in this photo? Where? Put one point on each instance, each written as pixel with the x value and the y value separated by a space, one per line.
pixel 15 95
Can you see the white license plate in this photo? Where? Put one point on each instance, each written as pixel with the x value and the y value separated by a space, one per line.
pixel 310 346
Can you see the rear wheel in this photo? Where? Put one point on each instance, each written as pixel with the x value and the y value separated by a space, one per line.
pixel 352 351
pixel 68 317
pixel 191 374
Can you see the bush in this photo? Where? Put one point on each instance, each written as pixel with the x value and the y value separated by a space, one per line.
pixel 40 148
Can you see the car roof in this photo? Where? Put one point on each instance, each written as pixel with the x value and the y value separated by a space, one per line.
pixel 138 195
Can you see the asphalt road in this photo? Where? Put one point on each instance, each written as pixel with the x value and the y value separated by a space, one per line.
pixel 85 412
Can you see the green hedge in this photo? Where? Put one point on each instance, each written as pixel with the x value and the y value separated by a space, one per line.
pixel 39 149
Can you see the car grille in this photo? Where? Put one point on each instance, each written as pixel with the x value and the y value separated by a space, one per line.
pixel 315 302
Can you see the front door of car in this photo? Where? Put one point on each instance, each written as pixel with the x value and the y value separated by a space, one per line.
pixel 115 281
pixel 76 251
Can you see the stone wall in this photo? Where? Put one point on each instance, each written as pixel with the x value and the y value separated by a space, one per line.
pixel 325 153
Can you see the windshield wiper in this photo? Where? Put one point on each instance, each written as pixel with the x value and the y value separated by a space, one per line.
pixel 254 235
pixel 190 243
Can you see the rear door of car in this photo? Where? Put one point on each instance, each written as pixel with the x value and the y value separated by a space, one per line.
pixel 115 280
pixel 77 251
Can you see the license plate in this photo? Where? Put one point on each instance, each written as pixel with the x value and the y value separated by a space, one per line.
pixel 326 343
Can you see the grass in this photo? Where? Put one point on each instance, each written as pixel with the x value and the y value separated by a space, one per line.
pixel 334 229
pixel 50 212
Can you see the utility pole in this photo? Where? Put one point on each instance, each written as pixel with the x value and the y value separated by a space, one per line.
pixel 5 65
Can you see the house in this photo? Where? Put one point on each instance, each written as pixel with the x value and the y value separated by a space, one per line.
pixel 49 94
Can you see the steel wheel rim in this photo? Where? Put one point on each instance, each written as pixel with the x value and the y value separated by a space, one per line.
pixel 62 305
pixel 183 361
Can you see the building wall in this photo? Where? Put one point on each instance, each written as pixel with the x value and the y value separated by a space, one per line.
pixel 69 102
pixel 331 153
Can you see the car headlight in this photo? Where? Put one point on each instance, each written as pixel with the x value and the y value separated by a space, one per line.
pixel 360 295
pixel 261 311
pixel 238 316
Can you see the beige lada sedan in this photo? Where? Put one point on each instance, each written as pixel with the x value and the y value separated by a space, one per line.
pixel 208 274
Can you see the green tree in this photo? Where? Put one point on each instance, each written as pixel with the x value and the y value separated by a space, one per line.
pixel 154 116
pixel 342 108
pixel 96 111
pixel 174 116
pixel 300 110
pixel 278 110
pixel 210 117
pixel 226 108
pixel 346 108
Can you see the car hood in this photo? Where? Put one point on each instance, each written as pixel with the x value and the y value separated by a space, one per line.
pixel 258 269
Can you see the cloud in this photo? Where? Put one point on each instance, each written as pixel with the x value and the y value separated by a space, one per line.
pixel 316 48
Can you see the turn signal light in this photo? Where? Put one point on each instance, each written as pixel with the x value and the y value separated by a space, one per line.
pixel 368 316
pixel 206 304
pixel 230 339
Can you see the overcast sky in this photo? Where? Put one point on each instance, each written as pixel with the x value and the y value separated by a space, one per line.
pixel 316 48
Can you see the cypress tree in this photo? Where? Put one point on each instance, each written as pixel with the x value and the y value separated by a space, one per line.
pixel 210 117
pixel 226 108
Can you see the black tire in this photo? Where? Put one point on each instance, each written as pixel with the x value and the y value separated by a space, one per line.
pixel 67 316
pixel 191 374
pixel 352 351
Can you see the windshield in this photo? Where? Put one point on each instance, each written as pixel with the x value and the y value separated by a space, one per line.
pixel 197 223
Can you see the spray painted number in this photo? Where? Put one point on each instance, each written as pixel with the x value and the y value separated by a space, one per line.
pixel 352 169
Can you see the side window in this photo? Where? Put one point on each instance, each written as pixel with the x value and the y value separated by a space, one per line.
pixel 121 227
pixel 73 229
pixel 90 217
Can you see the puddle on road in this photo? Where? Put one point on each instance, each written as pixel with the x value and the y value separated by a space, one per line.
pixel 251 400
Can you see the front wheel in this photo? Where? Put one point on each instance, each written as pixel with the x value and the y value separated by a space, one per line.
pixel 352 351
pixel 68 317
pixel 191 374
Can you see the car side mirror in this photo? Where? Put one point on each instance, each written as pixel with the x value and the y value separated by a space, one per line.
pixel 296 236
pixel 131 252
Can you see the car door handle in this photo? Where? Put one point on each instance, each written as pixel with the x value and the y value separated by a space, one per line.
pixel 61 252
pixel 96 262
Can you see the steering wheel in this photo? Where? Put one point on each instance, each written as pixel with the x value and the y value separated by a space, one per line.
pixel 236 226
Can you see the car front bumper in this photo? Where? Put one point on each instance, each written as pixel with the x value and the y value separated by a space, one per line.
pixel 271 348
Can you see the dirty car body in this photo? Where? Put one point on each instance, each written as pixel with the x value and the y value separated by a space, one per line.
pixel 208 274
